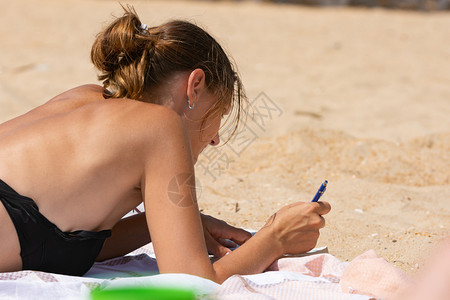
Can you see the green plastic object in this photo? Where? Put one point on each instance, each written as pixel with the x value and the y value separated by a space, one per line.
pixel 138 293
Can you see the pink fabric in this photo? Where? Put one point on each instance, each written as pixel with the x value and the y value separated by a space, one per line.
pixel 366 275
pixel 320 265
pixel 371 275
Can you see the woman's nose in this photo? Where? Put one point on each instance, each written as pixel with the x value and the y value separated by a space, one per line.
pixel 215 141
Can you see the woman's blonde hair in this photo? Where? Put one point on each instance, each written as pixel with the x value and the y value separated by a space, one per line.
pixel 133 58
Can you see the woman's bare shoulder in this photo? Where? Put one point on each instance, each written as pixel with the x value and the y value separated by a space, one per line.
pixel 63 103
pixel 82 91
pixel 124 126
pixel 138 116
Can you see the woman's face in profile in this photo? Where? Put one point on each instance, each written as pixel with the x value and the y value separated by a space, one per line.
pixel 203 132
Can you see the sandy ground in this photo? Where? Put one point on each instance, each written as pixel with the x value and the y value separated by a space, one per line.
pixel 360 97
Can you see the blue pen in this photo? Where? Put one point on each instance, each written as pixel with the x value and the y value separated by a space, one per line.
pixel 320 192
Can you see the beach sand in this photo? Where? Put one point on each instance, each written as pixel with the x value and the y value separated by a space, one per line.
pixel 360 97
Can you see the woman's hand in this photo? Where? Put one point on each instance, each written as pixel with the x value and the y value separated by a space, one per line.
pixel 218 235
pixel 295 227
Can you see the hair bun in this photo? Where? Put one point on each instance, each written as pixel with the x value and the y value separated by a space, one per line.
pixel 117 42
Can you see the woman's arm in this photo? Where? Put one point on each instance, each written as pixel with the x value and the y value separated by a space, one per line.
pixel 127 235
pixel 168 190
pixel 174 222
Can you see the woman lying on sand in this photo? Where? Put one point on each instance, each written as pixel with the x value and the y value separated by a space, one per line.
pixel 73 167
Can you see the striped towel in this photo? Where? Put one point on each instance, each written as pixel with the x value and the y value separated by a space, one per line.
pixel 317 276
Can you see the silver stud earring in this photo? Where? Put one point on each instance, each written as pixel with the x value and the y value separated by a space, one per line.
pixel 189 104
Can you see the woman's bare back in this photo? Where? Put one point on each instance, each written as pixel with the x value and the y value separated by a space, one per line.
pixel 64 155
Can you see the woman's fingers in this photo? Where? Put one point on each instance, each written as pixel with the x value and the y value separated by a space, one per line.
pixel 237 235
pixel 322 222
pixel 320 207
pixel 220 236
pixel 227 243
pixel 214 247
pixel 221 229
pixel 324 207
pixel 240 236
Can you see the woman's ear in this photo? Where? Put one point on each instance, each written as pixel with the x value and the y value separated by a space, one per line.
pixel 196 85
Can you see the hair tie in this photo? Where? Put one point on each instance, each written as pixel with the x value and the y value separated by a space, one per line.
pixel 144 28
